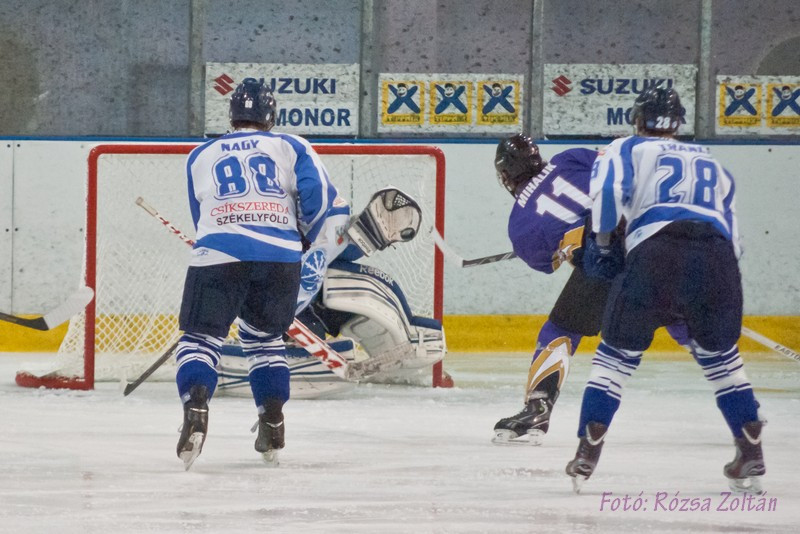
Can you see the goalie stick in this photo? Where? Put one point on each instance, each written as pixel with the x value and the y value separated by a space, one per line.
pixel 453 256
pixel 74 305
pixel 386 361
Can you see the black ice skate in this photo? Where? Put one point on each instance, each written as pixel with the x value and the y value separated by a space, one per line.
pixel 195 425
pixel 532 422
pixel 745 471
pixel 270 431
pixel 588 454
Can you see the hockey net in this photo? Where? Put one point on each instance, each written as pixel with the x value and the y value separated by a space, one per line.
pixel 137 266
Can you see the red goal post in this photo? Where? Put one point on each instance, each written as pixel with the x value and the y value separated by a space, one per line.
pixel 136 267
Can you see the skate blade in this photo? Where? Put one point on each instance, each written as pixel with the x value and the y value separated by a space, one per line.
pixel 190 455
pixel 746 485
pixel 577 483
pixel 509 437
pixel 271 458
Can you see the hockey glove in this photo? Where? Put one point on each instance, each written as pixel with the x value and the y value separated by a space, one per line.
pixel 603 261
pixel 391 216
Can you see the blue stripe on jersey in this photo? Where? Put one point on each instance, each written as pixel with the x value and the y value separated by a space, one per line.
pixel 608 213
pixel 330 195
pixel 196 152
pixel 626 154
pixel 248 249
pixel 194 205
pixel 668 213
pixel 290 234
pixel 339 210
pixel 726 202
pixel 314 201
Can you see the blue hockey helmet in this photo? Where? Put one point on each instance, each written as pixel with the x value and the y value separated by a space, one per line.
pixel 658 110
pixel 516 161
pixel 252 101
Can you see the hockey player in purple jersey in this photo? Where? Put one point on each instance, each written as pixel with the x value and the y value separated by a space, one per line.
pixel 682 247
pixel 547 227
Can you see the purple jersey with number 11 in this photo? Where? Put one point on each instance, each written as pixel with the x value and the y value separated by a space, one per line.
pixel 546 223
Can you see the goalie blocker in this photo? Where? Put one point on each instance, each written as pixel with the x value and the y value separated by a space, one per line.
pixel 367 309
pixel 391 216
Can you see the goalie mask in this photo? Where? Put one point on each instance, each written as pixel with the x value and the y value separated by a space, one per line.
pixel 391 216
pixel 252 101
pixel 517 160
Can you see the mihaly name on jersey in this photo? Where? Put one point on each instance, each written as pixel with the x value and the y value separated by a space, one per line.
pixel 621 86
pixel 241 218
pixel 533 184
pixel 232 207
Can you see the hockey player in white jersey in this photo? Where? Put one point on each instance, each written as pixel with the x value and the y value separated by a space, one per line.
pixel 682 248
pixel 254 196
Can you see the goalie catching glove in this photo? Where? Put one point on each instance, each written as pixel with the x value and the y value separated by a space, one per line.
pixel 391 216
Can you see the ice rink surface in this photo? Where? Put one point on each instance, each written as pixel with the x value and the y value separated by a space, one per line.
pixel 395 458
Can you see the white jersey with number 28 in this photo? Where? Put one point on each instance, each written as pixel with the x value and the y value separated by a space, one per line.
pixel 653 181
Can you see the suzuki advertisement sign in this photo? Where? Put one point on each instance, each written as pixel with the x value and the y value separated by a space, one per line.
pixel 596 99
pixel 312 99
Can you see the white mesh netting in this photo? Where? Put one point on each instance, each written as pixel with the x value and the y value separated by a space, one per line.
pixel 141 265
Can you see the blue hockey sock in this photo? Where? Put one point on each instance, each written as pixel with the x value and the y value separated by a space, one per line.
pixel 724 370
pixel 611 369
pixel 269 382
pixel 738 408
pixel 266 356
pixel 197 356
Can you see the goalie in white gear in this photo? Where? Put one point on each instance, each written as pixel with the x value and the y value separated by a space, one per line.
pixel 358 305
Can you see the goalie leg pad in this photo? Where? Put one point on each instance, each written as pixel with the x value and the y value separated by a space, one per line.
pixel 382 321
pixel 391 216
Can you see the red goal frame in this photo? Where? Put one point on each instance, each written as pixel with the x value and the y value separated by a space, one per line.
pixel 86 382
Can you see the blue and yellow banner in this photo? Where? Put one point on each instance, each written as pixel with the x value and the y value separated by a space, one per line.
pixel 764 105
pixel 452 103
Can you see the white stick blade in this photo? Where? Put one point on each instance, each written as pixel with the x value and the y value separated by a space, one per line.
pixel 448 252
pixel 70 308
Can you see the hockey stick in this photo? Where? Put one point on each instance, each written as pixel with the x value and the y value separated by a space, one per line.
pixel 777 347
pixel 453 256
pixel 152 211
pixel 315 345
pixel 150 370
pixel 71 307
